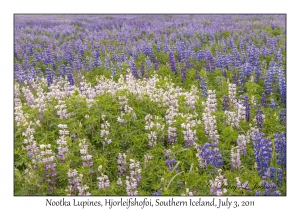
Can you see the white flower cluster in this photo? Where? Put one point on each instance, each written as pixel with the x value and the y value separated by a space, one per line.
pixel 86 158
pixel 58 90
pixel 104 132
pixel 29 96
pixel 61 110
pixel 235 158
pixel 40 101
pixel 242 144
pixel 242 186
pixel 82 189
pixel 211 102
pixel 19 116
pixel 191 97
pixel 233 118
pixel 155 128
pixel 208 119
pixel 218 185
pixel 88 92
pixel 62 142
pixel 232 94
pixel 31 145
pixel 46 154
pixel 189 133
pixel 125 109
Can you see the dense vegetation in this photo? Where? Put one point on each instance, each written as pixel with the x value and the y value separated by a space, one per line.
pixel 150 105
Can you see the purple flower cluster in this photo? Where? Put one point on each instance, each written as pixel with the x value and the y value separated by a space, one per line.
pixel 283 116
pixel 259 118
pixel 225 104
pixel 73 181
pixel 280 148
pixel 170 160
pixel 133 180
pixel 246 104
pixel 157 193
pixel 209 154
pixel 263 151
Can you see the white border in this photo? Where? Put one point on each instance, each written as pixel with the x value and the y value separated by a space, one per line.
pixel 8 201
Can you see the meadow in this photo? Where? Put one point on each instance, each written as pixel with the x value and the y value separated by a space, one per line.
pixel 150 105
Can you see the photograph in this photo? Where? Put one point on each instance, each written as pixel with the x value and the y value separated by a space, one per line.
pixel 150 105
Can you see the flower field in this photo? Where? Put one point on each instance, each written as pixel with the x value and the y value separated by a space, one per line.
pixel 150 105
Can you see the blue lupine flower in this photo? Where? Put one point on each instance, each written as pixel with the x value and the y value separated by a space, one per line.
pixel 272 173
pixel 225 103
pixel 262 151
pixel 282 86
pixel 259 118
pixel 134 70
pixel 264 101
pixel 142 70
pixel 210 154
pixel 49 75
pixel 70 75
pixel 247 105
pixel 273 105
pixel 172 62
pixel 280 148
pixel 183 74
pixel 156 64
pixel 283 116
pixel 279 177
pixel 170 162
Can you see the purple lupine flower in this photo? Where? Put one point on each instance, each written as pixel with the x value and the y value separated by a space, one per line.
pixel 134 70
pixel 272 173
pixel 279 177
pixel 170 159
pixel 209 154
pixel 259 118
pixel 203 87
pixel 70 75
pixel 247 105
pixel 122 164
pixel 183 74
pixel 132 181
pixel 172 62
pixel 49 75
pixel 156 64
pixel 157 193
pixel 280 148
pixel 283 116
pixel 225 103
pixel 264 101
pixel 262 151
pixel 47 160
pixel 142 70
pixel 282 86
